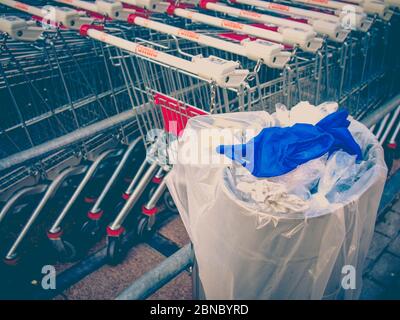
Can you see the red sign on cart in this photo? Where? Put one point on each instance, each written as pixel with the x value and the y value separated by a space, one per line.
pixel 175 113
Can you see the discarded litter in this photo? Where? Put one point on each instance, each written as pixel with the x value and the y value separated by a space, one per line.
pixel 278 150
pixel 280 237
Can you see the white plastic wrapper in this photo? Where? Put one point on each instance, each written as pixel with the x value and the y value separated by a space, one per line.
pixel 243 253
pixel 303 112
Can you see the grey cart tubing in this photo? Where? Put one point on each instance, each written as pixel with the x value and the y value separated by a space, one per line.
pixel 136 177
pixel 382 126
pixel 395 133
pixel 21 193
pixel 73 137
pixel 56 226
pixel 390 125
pixel 49 193
pixel 160 173
pixel 160 275
pixel 134 196
pixel 377 115
pixel 97 206
pixel 157 194
pixel 154 199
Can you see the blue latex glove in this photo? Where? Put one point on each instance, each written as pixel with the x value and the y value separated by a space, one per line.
pixel 337 125
pixel 276 151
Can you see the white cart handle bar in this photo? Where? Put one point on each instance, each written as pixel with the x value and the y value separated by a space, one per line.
pixel 323 23
pixel 271 54
pixel 223 72
pixel 107 8
pixel 306 40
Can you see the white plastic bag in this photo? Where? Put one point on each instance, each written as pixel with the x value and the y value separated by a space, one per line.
pixel 262 195
pixel 304 178
pixel 297 255
pixel 303 112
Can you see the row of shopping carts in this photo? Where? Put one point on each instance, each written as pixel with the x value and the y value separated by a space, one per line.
pixel 92 93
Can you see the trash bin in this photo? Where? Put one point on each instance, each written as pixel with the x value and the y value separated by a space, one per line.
pixel 298 255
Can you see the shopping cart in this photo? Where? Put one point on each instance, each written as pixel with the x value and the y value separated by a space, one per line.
pixel 339 69
pixel 174 115
pixel 333 30
pixel 322 22
pixel 50 97
pixel 49 89
pixel 271 54
pixel 357 7
pixel 196 76
pixel 304 39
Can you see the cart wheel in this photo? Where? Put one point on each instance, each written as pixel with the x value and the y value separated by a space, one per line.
pixel 169 202
pixel 143 230
pixel 115 250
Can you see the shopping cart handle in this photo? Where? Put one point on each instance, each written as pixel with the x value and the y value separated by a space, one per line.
pixel 333 30
pixel 163 7
pixel 144 4
pixel 86 27
pixel 271 54
pixel 201 3
pixel 225 73
pixel 379 8
pixel 393 3
pixel 64 16
pixel 20 29
pixel 113 10
pixel 306 40
pixel 354 20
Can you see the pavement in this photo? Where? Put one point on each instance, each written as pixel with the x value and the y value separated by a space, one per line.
pixel 381 272
pixel 108 281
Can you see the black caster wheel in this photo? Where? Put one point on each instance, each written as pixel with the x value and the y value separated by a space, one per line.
pixel 116 250
pixel 65 250
pixel 169 202
pixel 143 230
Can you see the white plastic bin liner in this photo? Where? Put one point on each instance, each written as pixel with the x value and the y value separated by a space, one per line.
pixel 296 256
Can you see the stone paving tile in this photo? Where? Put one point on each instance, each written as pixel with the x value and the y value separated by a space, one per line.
pixel 396 206
pixel 371 290
pixel 176 232
pixel 107 282
pixel 394 246
pixel 386 270
pixel 378 244
pixel 368 264
pixel 390 225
